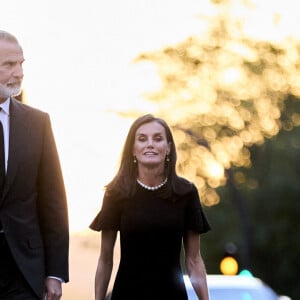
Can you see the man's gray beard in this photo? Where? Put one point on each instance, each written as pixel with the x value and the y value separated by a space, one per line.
pixel 6 92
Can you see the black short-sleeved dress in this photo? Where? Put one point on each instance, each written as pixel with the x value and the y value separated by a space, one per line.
pixel 151 225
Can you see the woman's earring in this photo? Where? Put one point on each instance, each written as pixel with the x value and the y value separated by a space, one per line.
pixel 134 159
pixel 167 158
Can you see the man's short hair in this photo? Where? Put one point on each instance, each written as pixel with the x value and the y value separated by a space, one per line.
pixel 4 35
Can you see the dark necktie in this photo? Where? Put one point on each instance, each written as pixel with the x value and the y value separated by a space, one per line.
pixel 2 159
pixel 2 163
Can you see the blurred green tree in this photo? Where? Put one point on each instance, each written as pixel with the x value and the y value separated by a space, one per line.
pixel 233 103
pixel 270 194
pixel 229 92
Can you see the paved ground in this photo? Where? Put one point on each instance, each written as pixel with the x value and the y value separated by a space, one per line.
pixel 84 253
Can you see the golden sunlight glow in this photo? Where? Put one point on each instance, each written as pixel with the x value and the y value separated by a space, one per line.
pixel 81 72
pixel 210 197
pixel 215 170
pixel 230 75
pixel 209 69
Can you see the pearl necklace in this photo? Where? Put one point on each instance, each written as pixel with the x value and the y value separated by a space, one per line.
pixel 152 188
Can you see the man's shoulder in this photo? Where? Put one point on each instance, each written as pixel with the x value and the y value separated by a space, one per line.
pixel 17 106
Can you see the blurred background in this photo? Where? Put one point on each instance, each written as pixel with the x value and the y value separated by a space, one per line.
pixel 223 73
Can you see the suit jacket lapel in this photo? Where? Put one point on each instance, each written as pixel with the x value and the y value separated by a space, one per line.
pixel 17 129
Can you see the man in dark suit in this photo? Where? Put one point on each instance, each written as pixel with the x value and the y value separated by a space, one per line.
pixel 34 231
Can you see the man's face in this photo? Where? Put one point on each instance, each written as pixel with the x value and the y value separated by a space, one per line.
pixel 11 70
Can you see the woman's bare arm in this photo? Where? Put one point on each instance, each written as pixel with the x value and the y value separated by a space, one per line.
pixel 194 264
pixel 105 263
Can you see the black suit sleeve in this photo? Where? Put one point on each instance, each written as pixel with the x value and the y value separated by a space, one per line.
pixel 52 207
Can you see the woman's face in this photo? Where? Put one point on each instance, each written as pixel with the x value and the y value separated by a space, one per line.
pixel 150 145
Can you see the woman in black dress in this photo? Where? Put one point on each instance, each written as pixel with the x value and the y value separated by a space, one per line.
pixel 155 211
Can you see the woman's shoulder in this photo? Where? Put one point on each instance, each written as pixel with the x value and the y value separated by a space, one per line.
pixel 114 195
pixel 111 195
pixel 183 186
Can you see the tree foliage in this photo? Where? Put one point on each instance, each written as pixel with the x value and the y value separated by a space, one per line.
pixel 233 102
pixel 229 91
pixel 269 191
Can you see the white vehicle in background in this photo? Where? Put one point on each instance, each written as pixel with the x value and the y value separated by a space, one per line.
pixel 232 287
pixel 235 287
